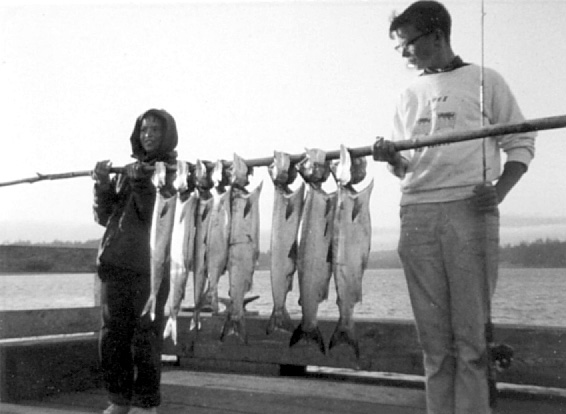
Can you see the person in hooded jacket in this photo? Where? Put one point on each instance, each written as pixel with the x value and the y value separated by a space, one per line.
pixel 130 344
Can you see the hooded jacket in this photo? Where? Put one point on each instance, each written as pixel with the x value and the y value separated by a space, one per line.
pixel 125 206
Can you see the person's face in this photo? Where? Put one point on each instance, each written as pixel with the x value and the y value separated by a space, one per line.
pixel 151 133
pixel 415 46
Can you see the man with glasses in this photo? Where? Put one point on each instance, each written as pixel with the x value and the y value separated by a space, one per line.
pixel 449 205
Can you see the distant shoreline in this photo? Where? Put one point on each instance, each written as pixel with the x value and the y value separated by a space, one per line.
pixel 76 258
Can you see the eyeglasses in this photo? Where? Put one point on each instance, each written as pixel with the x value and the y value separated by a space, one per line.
pixel 402 47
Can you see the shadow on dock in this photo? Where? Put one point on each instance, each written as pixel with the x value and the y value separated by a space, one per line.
pixel 318 392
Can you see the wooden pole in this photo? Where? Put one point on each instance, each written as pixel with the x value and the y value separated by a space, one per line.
pixel 43 177
pixel 537 124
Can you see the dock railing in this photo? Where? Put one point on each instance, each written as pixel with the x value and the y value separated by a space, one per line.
pixel 55 350
pixel 46 351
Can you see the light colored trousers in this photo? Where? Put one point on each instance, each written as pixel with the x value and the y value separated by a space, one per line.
pixel 447 249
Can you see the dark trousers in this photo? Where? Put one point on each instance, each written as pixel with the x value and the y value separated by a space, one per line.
pixel 130 345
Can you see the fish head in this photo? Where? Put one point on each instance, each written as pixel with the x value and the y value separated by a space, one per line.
pixel 220 174
pixel 239 172
pixel 305 168
pixel 314 168
pixel 342 167
pixel 291 175
pixel 163 180
pixel 321 171
pixel 202 176
pixel 358 170
pixel 181 177
pixel 217 172
pixel 191 177
pixel 159 174
pixel 280 169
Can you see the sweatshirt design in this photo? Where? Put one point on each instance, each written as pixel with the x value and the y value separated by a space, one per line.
pixel 450 101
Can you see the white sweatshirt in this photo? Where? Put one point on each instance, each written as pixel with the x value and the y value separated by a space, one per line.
pixel 450 101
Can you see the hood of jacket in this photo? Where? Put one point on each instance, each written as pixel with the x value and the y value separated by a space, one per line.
pixel 166 152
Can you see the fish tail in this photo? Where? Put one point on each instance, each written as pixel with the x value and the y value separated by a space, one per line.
pixel 171 329
pixel 150 307
pixel 234 328
pixel 167 330
pixel 279 321
pixel 343 335
pixel 314 335
pixel 212 300
pixel 200 304
pixel 195 320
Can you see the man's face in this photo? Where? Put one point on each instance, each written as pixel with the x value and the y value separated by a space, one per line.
pixel 415 46
pixel 151 133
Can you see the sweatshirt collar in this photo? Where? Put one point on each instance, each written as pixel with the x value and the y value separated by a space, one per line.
pixel 456 63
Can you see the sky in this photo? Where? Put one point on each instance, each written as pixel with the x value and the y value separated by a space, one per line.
pixel 248 77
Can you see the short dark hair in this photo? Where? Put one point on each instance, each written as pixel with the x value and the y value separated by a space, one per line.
pixel 426 16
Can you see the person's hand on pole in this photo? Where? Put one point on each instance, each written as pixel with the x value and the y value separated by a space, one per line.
pixel 384 150
pixel 101 172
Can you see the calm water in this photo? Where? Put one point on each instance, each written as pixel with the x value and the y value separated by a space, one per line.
pixel 523 296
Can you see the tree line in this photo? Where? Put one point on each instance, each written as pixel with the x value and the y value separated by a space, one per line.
pixel 537 254
pixel 540 253
pixel 548 253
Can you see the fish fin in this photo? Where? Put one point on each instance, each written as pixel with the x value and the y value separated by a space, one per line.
pixel 150 307
pixel 358 205
pixel 347 337
pixel 294 251
pixel 314 336
pixel 289 210
pixel 195 324
pixel 227 302
pixel 205 212
pixel 234 329
pixel 167 330
pixel 329 206
pixel 280 321
pixel 164 210
pixel 329 255
pixel 248 207
pixel 171 329
pixel 212 299
pixel 182 215
pixel 249 299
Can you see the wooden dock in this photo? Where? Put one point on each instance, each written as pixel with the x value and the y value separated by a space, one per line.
pixel 49 365
pixel 221 393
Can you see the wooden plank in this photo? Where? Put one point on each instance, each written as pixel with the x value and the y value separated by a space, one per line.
pixel 36 368
pixel 385 346
pixel 214 393
pixel 42 322
pixel 540 355
pixel 28 409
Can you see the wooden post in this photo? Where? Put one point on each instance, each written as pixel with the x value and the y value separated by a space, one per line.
pixel 96 289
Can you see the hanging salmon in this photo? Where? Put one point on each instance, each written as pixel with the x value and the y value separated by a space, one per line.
pixel 160 234
pixel 243 248
pixel 182 245
pixel 218 233
pixel 351 245
pixel 314 264
pixel 287 210
pixel 204 184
